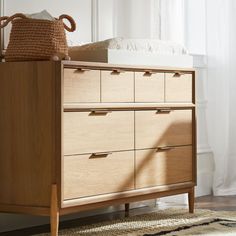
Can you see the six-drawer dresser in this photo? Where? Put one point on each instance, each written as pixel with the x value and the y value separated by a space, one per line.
pixel 77 136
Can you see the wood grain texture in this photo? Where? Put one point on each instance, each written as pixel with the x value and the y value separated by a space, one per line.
pixel 194 141
pixel 106 66
pixel 117 87
pixel 18 209
pixel 54 211
pixel 191 200
pixel 127 207
pixel 59 111
pixel 88 133
pixel 81 86
pixel 128 196
pixel 87 176
pixel 149 87
pixel 27 126
pixel 34 127
pixel 178 88
pixel 163 168
pixel 72 107
pixel 153 129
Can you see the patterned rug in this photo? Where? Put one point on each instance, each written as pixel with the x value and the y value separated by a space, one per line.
pixel 171 222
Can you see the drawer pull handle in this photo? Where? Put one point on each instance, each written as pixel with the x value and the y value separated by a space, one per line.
pixel 163 111
pixel 163 149
pixel 149 72
pixel 100 112
pixel 82 69
pixel 100 154
pixel 117 71
pixel 178 74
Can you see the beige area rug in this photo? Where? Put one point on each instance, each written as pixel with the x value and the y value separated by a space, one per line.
pixel 168 222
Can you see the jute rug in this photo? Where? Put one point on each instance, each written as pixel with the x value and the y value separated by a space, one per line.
pixel 168 222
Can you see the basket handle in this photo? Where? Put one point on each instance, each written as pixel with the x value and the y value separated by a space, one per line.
pixel 71 20
pixel 6 20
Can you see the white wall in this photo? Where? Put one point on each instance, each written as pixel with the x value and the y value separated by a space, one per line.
pixel 105 19
pixel 80 10
pixel 132 18
pixel 172 25
pixel 195 26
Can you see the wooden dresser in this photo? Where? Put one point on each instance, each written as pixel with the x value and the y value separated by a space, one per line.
pixel 77 136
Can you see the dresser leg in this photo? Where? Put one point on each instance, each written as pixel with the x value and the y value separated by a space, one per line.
pixel 191 200
pixel 54 217
pixel 126 209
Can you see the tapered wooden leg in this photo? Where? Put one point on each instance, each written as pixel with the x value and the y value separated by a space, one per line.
pixel 54 212
pixel 126 209
pixel 191 200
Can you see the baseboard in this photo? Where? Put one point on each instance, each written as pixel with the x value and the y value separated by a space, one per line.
pixel 205 168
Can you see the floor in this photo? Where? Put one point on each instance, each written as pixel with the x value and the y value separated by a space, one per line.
pixel 206 202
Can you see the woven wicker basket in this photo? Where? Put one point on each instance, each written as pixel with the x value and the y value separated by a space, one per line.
pixel 33 39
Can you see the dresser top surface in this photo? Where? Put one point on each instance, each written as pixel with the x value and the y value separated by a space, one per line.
pixel 107 66
pixel 98 65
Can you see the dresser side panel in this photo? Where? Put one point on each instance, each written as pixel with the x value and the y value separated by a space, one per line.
pixel 27 132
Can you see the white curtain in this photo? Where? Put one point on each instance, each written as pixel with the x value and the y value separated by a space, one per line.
pixel 172 20
pixel 133 18
pixel 221 52
pixel 161 19
pixel 220 40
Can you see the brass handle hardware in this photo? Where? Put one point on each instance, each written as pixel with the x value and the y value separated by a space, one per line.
pixel 163 110
pixel 100 154
pixel 178 74
pixel 162 149
pixel 149 72
pixel 82 69
pixel 100 112
pixel 117 71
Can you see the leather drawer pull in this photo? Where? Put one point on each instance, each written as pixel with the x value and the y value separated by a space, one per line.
pixel 149 72
pixel 100 155
pixel 178 74
pixel 163 149
pixel 117 71
pixel 100 112
pixel 163 111
pixel 82 69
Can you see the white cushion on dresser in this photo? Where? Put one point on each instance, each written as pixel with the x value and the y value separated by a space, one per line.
pixel 134 52
pixel 144 45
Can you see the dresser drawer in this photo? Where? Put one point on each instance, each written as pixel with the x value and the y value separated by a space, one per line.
pixel 163 127
pixel 178 87
pixel 81 85
pixel 88 175
pixel 149 87
pixel 117 86
pixel 88 132
pixel 153 167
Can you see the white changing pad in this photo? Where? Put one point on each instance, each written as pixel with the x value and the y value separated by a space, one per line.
pixel 137 45
pixel 133 52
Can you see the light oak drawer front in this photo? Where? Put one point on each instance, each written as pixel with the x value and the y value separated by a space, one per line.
pixel 163 167
pixel 178 87
pixel 163 128
pixel 81 85
pixel 117 86
pixel 87 175
pixel 88 132
pixel 149 87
